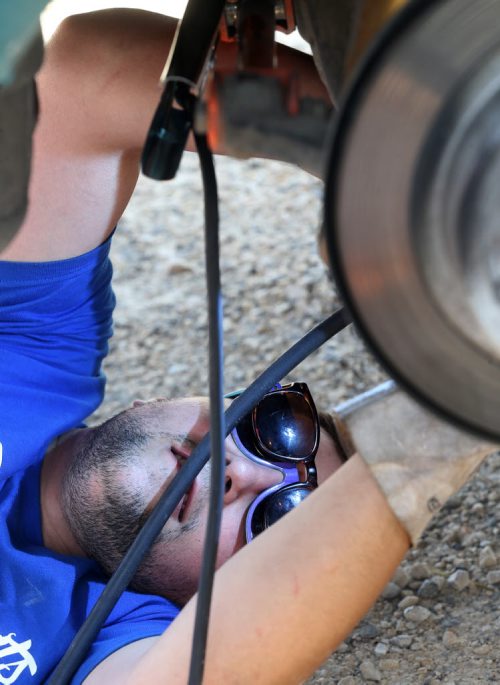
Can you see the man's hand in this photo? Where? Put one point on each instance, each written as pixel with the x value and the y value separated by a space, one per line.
pixel 418 460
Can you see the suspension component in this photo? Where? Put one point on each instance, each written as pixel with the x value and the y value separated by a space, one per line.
pixel 253 107
pixel 412 205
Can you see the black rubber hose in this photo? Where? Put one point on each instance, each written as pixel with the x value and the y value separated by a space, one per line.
pixel 216 396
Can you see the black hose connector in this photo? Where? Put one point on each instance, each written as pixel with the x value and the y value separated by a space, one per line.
pixel 166 141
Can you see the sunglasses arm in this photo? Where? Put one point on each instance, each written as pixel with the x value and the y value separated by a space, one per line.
pixel 418 459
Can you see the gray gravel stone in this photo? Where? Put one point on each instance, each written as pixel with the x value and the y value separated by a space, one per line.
pixel 348 680
pixel 482 650
pixel 381 648
pixel 389 664
pixel 454 502
pixel 459 580
pixel 408 601
pixel 343 647
pixel 367 631
pixel 369 671
pixel 401 625
pixel 487 558
pixel 416 614
pixel 473 538
pixel 430 588
pixel 420 571
pixel 453 535
pixel 478 509
pixel 391 591
pixel 450 639
pixel 401 577
pixel 493 577
pixel 403 640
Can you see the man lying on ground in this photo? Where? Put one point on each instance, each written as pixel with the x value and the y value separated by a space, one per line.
pixel 306 581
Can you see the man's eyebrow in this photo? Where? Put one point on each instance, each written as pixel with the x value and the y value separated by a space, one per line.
pixel 189 442
pixel 183 438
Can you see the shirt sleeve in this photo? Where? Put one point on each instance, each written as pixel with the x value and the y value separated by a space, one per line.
pixel 150 620
pixel 55 323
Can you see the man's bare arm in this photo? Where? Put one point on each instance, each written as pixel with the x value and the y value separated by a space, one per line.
pixel 284 602
pixel 98 90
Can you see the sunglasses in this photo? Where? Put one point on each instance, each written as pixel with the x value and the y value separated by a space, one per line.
pixel 281 432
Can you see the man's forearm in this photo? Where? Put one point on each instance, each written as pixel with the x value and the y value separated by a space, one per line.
pixel 284 602
pixel 98 90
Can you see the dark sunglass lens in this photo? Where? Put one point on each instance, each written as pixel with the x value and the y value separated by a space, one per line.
pixel 245 432
pixel 285 425
pixel 277 505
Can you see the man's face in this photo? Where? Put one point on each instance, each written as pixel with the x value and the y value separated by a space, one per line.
pixel 138 454
pixel 178 426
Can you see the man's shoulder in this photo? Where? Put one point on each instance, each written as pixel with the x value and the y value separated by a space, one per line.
pixel 56 322
pixel 45 597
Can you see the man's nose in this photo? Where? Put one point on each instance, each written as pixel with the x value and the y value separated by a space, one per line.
pixel 244 476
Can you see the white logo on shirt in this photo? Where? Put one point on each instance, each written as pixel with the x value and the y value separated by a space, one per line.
pixel 1 453
pixel 14 658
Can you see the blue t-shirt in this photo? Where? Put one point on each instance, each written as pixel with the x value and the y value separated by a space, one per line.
pixel 55 322
pixel 45 596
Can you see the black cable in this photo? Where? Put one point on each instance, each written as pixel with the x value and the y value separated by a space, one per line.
pixel 181 483
pixel 216 395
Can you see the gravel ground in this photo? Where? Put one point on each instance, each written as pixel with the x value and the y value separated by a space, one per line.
pixel 439 620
